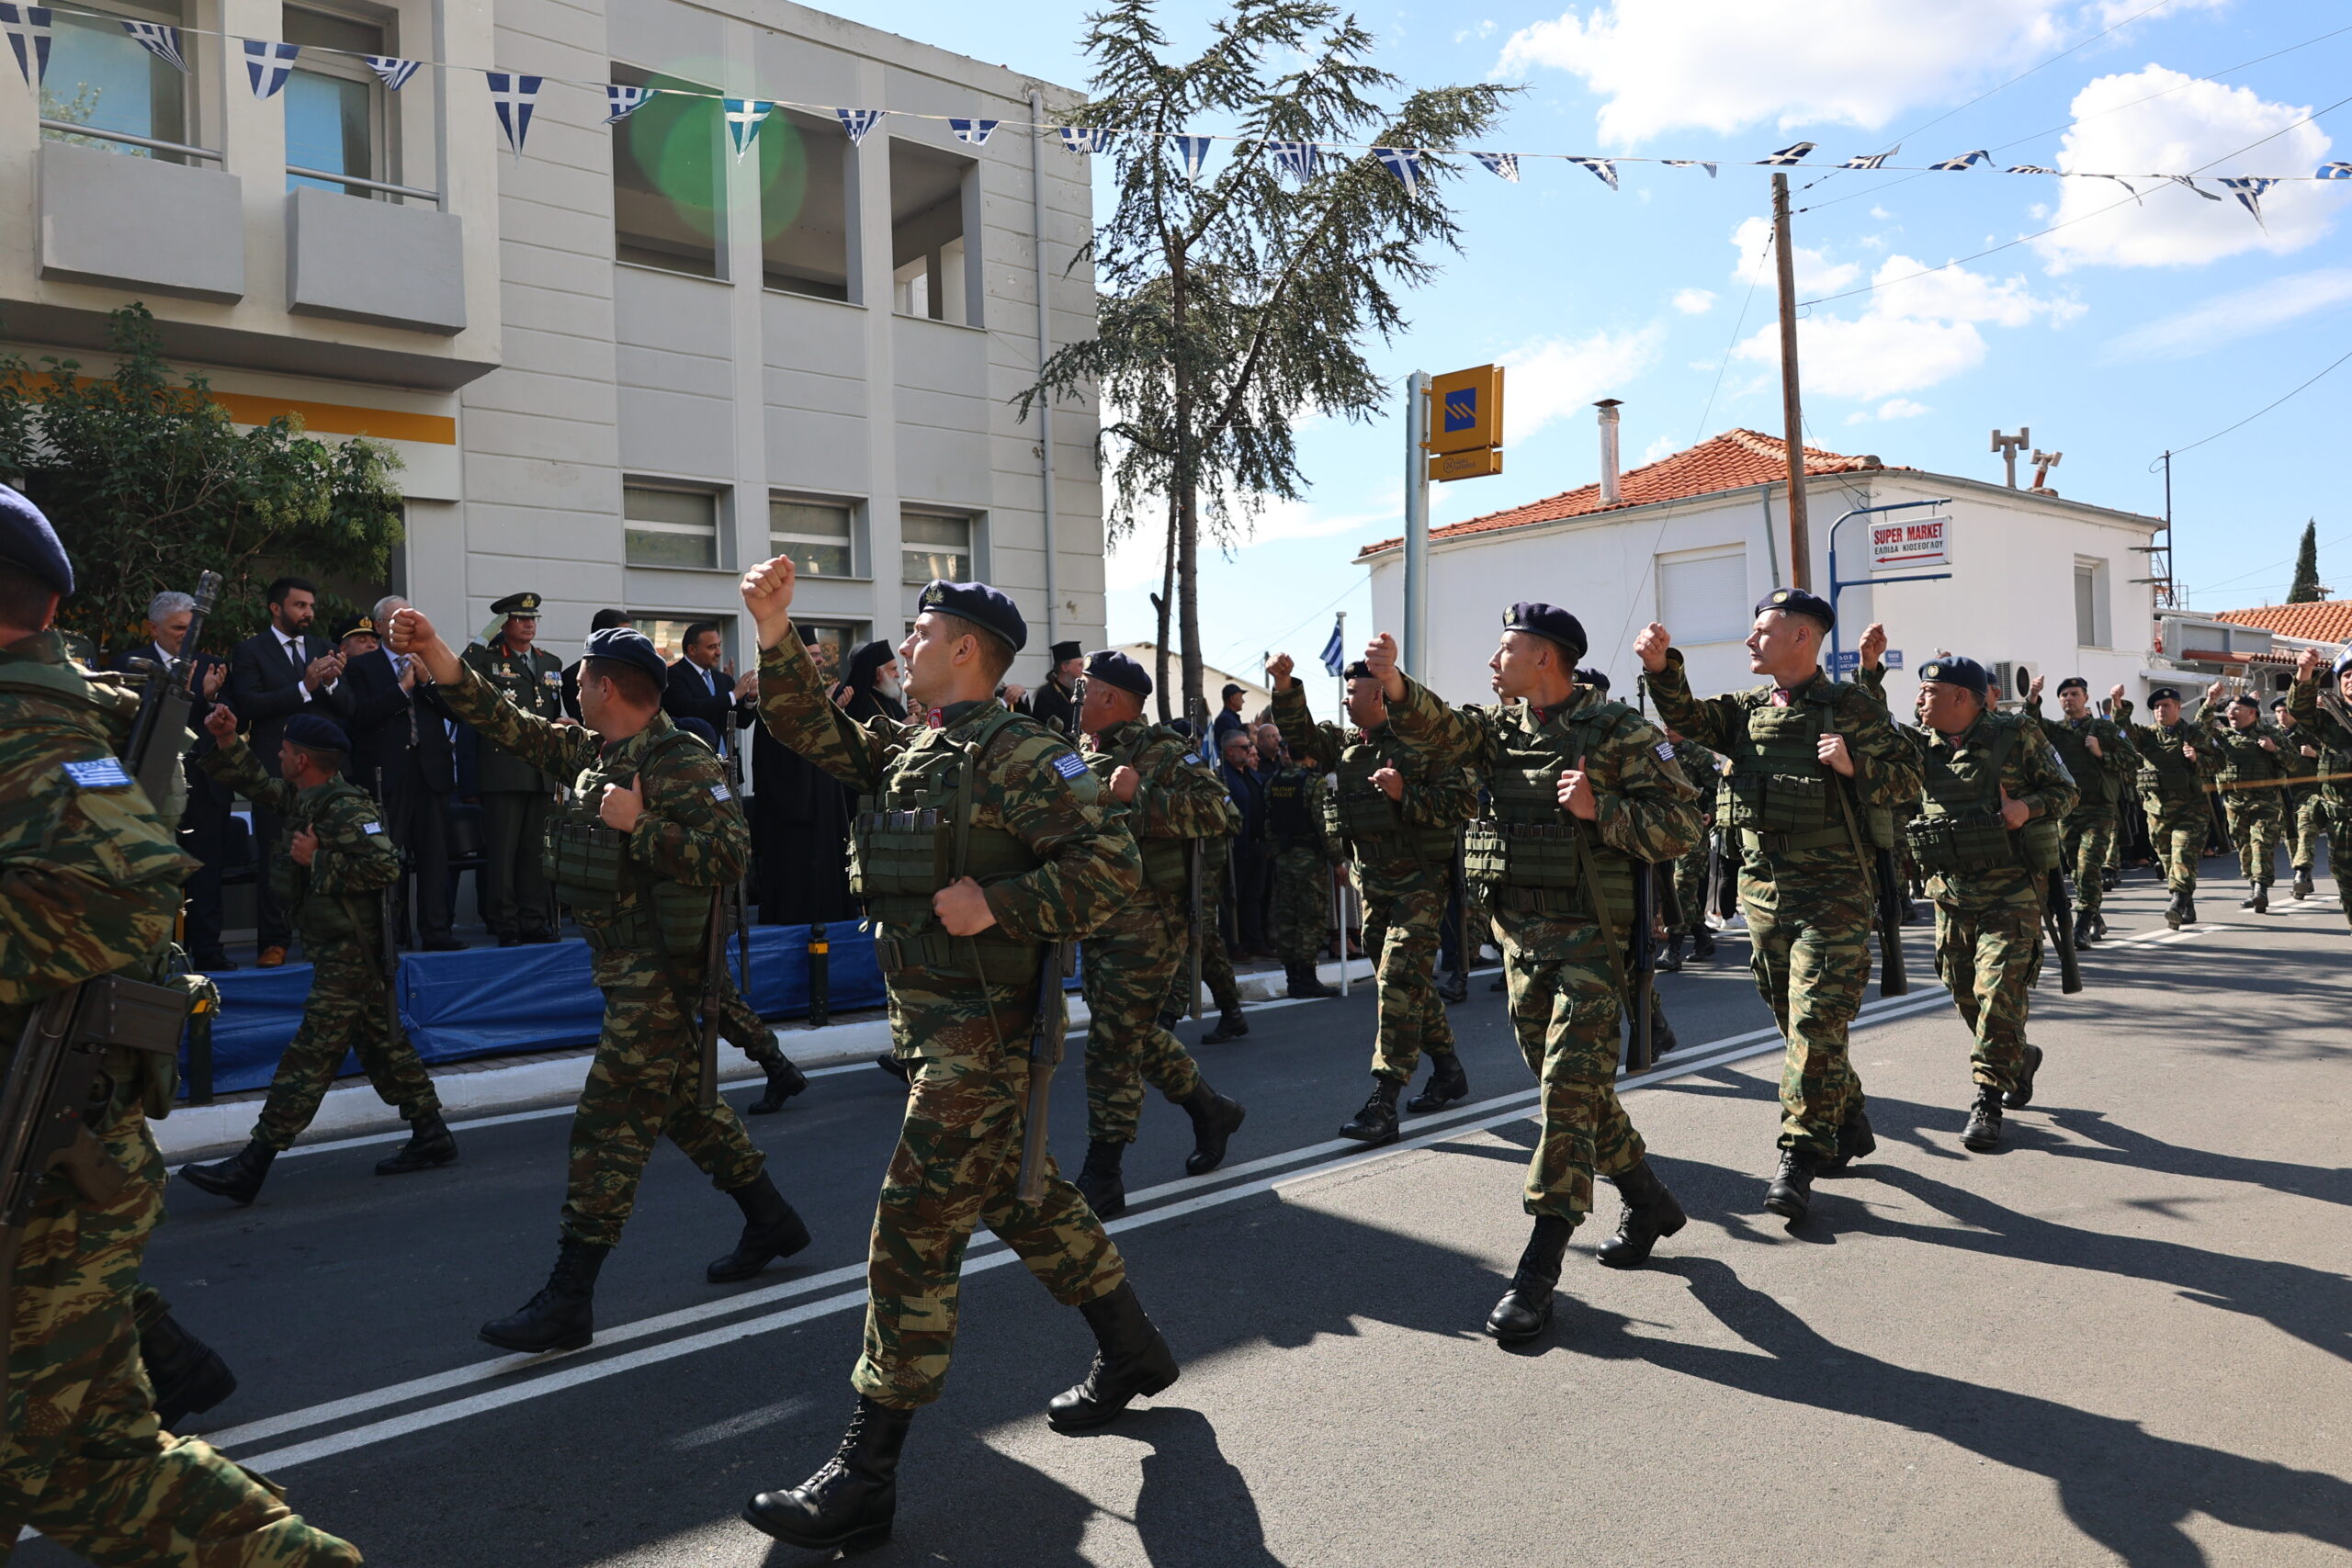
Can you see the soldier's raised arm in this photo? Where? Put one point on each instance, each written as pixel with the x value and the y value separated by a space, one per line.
pixel 1295 717
pixel 794 703
pixel 232 762
pixel 1449 737
pixel 562 750
pixel 1711 721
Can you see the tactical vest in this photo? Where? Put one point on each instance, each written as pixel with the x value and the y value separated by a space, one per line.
pixel 318 914
pixel 917 836
pixel 2090 773
pixel 618 901
pixel 1960 827
pixel 1780 795
pixel 1291 809
pixel 1167 863
pixel 2242 757
pixel 1528 852
pixel 1357 813
pixel 2165 772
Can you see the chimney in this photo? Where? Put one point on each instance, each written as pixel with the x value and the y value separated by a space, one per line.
pixel 1610 493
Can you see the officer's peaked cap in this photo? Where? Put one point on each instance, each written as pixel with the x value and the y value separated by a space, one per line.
pixel 29 544
pixel 517 604
pixel 1116 669
pixel 981 606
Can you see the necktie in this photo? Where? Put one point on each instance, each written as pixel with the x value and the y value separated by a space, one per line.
pixel 294 655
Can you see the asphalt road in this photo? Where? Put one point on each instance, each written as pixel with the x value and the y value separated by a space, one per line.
pixel 2120 1338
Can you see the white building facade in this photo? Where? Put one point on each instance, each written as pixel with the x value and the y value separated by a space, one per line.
pixel 625 364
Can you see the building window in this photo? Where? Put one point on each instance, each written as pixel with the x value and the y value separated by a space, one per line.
pixel 101 77
pixel 2092 628
pixel 668 633
pixel 335 122
pixel 936 544
pixel 928 249
pixel 804 206
pixel 819 535
pixel 1703 596
pixel 667 526
pixel 665 177
pixel 836 640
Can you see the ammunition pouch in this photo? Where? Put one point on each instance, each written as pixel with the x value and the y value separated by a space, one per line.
pixel 1166 863
pixel 1535 867
pixel 1978 841
pixel 595 876
pixel 934 953
pixel 136 1027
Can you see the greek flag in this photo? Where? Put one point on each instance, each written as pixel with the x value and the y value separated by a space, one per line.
pixel 159 41
pixel 857 122
pixel 1689 163
pixel 1302 159
pixel 1335 656
pixel 2249 190
pixel 2184 180
pixel 1964 160
pixel 28 38
pixel 2327 171
pixel 2029 169
pixel 1792 153
pixel 1503 165
pixel 1603 170
pixel 1084 138
pixel 975 132
pixel 267 65
pixel 516 97
pixel 1405 164
pixel 620 102
pixel 1871 160
pixel 393 71
pixel 1194 152
pixel 744 118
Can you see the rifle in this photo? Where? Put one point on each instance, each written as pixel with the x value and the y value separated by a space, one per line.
pixel 714 978
pixel 2058 919
pixel 739 896
pixel 1046 1042
pixel 1893 979
pixel 1193 945
pixel 163 706
pixel 388 950
pixel 1644 956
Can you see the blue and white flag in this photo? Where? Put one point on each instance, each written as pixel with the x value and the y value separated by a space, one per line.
pixel 975 132
pixel 1405 164
pixel 620 101
pixel 28 27
pixel 268 65
pixel 391 69
pixel 1871 160
pixel 1335 653
pixel 159 41
pixel 1603 169
pixel 1300 159
pixel 857 122
pixel 2248 189
pixel 1792 153
pixel 516 97
pixel 1193 152
pixel 1084 138
pixel 2184 180
pixel 2327 171
pixel 744 116
pixel 1964 160
pixel 1690 164
pixel 2030 169
pixel 1503 165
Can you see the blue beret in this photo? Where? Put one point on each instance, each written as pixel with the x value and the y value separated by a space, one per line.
pixel 2073 683
pixel 1548 621
pixel 2163 694
pixel 1596 679
pixel 313 733
pixel 2246 699
pixel 1116 669
pixel 980 604
pixel 623 645
pixel 1965 673
pixel 701 730
pixel 29 544
pixel 1797 602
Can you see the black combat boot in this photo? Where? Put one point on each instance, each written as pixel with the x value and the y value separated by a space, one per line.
pixel 1305 985
pixel 2177 912
pixel 1215 1120
pixel 1911 913
pixel 2189 908
pixel 2017 1098
pixel 1791 1192
pixel 561 1316
pixel 1984 1130
pixel 1131 1360
pixel 2302 883
pixel 848 1505
pixel 1455 988
pixel 2098 925
pixel 1230 1025
pixel 429 1145
pixel 2260 902
pixel 770 1230
pixel 1448 1083
pixel 188 1375
pixel 785 1080
pixel 903 1071
pixel 1854 1141
pixel 1650 1212
pixel 1662 1038
pixel 1702 942
pixel 1670 960
pixel 1099 1181
pixel 2085 928
pixel 238 1177
pixel 1377 1122
pixel 1525 1310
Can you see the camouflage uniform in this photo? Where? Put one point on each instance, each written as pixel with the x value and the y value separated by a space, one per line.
pixel 2090 826
pixel 2303 814
pixel 2172 790
pixel 1703 767
pixel 2252 797
pixel 1302 912
pixel 1133 956
pixel 1400 858
pixel 1216 968
pixel 1805 886
pixel 644 1081
pixel 1566 967
pixel 961 1008
pixel 336 907
pixel 2332 731
pixel 90 883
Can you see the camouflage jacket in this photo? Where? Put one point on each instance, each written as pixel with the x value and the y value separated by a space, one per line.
pixel 2171 740
pixel 2293 764
pixel 2328 726
pixel 1705 768
pixel 1088 861
pixel 533 684
pixel 2104 779
pixel 1437 794
pixel 2030 772
pixel 1180 797
pixel 2242 759
pixel 334 895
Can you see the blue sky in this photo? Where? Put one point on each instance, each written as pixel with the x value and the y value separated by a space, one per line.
pixel 2148 326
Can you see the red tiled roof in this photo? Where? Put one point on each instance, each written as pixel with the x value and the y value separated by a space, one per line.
pixel 1734 460
pixel 2329 620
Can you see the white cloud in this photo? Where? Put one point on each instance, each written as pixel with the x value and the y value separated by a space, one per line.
pixel 1553 378
pixel 1893 408
pixel 2246 313
pixel 2191 124
pixel 1694 301
pixel 1484 29
pixel 1135 560
pixel 1751 243
pixel 1664 446
pixel 1912 332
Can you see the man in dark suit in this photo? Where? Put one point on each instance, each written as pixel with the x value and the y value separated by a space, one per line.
pixel 204 825
pixel 700 689
pixel 399 750
pixel 273 675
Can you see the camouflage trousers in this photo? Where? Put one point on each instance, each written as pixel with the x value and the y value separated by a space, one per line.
pixel 1128 964
pixel 1216 968
pixel 2090 839
pixel 345 1012
pixel 1809 942
pixel 1302 914
pixel 957 1164
pixel 1691 887
pixel 85 1461
pixel 1400 932
pixel 641 1088
pixel 1987 959
pixel 2177 828
pixel 1564 1008
pixel 2306 821
pixel 2254 830
pixel 741 1027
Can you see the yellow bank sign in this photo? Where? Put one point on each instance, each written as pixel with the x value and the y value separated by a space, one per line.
pixel 1465 424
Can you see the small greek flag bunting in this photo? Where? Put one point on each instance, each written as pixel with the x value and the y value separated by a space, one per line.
pixel 159 41
pixel 857 122
pixel 515 97
pixel 2327 171
pixel 620 102
pixel 1194 152
pixel 28 27
pixel 975 132
pixel 391 70
pixel 1871 160
pixel 2249 190
pixel 2184 180
pixel 2030 169
pixel 1301 159
pixel 1335 653
pixel 1503 165
pixel 1690 164
pixel 1792 153
pixel 1084 138
pixel 744 116
pixel 1404 162
pixel 267 65
pixel 1603 170
pixel 1964 160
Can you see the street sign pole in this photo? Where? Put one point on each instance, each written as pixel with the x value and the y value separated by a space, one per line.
pixel 1838 585
pixel 1417 525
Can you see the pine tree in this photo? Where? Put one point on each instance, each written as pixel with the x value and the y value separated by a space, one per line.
pixel 2308 589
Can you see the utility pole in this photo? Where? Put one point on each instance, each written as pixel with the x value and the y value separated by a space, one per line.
pixel 1791 404
pixel 1417 527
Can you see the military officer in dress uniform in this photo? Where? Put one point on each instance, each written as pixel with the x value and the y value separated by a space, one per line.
pixel 514 795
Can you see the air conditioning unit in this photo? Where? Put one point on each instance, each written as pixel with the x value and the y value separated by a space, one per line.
pixel 2012 679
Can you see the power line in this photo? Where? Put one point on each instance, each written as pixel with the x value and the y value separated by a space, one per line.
pixel 2263 410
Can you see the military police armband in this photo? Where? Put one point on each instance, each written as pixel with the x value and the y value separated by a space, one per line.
pixel 102 773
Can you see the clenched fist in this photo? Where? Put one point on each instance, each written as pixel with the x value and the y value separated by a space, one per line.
pixel 1650 647
pixel 622 806
pixel 1124 782
pixel 767 594
pixel 1278 671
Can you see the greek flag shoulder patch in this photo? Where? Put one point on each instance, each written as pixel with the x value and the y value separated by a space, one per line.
pixel 371 828
pixel 106 772
pixel 1070 765
pixel 720 792
pixel 1665 749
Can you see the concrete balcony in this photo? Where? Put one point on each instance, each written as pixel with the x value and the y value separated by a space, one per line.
pixel 354 260
pixel 141 223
